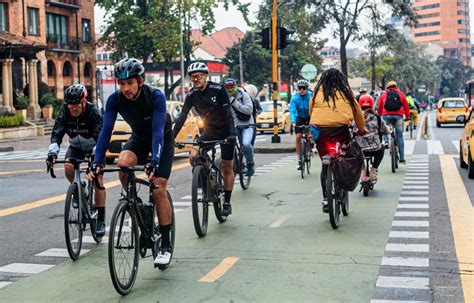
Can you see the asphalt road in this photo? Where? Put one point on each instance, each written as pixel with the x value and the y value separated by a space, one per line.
pixel 283 247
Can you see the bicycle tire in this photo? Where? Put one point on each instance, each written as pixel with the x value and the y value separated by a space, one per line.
pixel 172 234
pixel 345 203
pixel 393 155
pixel 302 157
pixel 72 223
pixel 219 196
pixel 333 206
pixel 123 285
pixel 244 179
pixel 366 188
pixel 93 224
pixel 308 157
pixel 411 128
pixel 199 196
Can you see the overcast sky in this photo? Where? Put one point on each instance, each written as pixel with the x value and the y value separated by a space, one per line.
pixel 233 18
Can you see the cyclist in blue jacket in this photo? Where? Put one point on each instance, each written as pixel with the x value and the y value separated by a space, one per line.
pixel 299 112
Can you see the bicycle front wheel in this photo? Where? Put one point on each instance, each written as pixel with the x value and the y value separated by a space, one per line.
pixel 123 248
pixel 218 202
pixel 72 223
pixel 303 158
pixel 393 154
pixel 308 157
pixel 200 203
pixel 243 178
pixel 331 194
pixel 345 202
pixel 411 128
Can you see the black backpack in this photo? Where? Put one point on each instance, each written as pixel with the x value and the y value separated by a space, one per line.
pixel 393 102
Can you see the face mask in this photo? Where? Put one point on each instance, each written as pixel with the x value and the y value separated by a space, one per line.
pixel 232 92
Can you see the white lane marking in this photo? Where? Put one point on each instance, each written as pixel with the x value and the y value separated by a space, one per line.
pixel 434 147
pixel 415 192
pixel 180 203
pixel 414 199
pixel 278 222
pixel 89 239
pixel 407 247
pixel 408 178
pixel 409 262
pixel 456 144
pixel 264 169
pixel 409 147
pixel 411 223
pixel 188 197
pixel 421 118
pixel 417 174
pixel 256 174
pixel 4 283
pixel 416 182
pixel 412 214
pixel 409 234
pixel 403 282
pixel 25 268
pixel 415 187
pixel 59 252
pixel 396 301
pixel 417 170
pixel 421 206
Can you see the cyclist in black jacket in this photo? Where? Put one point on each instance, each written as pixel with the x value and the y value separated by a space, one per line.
pixel 82 122
pixel 211 101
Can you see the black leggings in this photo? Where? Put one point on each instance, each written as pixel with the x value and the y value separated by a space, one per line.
pixel 378 156
pixel 329 136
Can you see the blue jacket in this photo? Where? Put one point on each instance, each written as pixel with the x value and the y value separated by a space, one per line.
pixel 299 106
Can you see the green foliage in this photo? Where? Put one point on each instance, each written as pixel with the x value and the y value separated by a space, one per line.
pixel 11 121
pixel 47 100
pixel 453 76
pixel 57 104
pixel 21 102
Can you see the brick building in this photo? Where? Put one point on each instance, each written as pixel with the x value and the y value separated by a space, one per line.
pixel 46 40
pixel 445 22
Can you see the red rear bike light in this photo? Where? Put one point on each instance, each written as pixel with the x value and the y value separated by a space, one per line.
pixel 440 110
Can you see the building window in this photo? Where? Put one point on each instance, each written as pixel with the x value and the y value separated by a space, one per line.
pixel 33 21
pixel 428 16
pixel 462 3
pixel 421 25
pixel 51 69
pixel 56 29
pixel 463 22
pixel 87 70
pixel 463 13
pixel 429 6
pixel 86 31
pixel 463 31
pixel 3 17
pixel 433 33
pixel 464 40
pixel 67 69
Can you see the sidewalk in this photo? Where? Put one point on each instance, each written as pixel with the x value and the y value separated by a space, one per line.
pixel 27 143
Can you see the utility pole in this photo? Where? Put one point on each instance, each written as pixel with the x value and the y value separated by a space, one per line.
pixel 182 48
pixel 241 62
pixel 276 138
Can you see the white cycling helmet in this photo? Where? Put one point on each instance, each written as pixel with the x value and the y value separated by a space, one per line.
pixel 198 67
pixel 302 83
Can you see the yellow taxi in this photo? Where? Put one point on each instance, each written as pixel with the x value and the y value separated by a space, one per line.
pixel 265 118
pixel 449 109
pixel 122 131
pixel 466 144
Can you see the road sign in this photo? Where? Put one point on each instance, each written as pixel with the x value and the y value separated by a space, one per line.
pixel 309 71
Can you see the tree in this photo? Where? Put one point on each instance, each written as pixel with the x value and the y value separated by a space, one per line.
pixel 149 30
pixel 453 76
pixel 347 15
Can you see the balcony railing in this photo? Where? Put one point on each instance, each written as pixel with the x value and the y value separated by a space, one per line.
pixel 71 4
pixel 63 42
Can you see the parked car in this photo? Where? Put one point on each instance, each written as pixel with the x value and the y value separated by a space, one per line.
pixel 449 109
pixel 466 144
pixel 265 119
pixel 122 131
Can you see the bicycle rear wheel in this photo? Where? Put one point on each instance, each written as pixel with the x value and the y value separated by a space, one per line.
pixel 244 179
pixel 411 128
pixel 345 203
pixel 172 233
pixel 200 203
pixel 331 195
pixel 218 203
pixel 123 248
pixel 72 223
pixel 393 154
pixel 303 158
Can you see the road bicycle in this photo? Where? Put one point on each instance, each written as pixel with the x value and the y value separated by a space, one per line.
pixel 366 185
pixel 394 151
pixel 411 126
pixel 207 184
pixel 337 198
pixel 134 228
pixel 306 149
pixel 241 166
pixel 79 208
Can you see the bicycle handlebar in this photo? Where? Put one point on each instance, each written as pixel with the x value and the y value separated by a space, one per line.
pixel 50 168
pixel 126 169
pixel 200 143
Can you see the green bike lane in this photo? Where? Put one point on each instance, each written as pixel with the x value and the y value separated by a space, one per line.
pixel 285 248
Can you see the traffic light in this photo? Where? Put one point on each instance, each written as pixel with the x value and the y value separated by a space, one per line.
pixel 266 38
pixel 282 40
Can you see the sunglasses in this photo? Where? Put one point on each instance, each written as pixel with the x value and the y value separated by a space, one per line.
pixel 74 106
pixel 196 77
pixel 302 88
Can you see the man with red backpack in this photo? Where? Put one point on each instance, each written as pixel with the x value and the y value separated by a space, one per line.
pixel 392 106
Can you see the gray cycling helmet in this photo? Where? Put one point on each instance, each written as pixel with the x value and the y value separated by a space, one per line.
pixel 198 67
pixel 129 68
pixel 302 83
pixel 75 94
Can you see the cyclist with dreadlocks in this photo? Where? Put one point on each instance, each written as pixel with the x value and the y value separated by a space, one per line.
pixel 333 108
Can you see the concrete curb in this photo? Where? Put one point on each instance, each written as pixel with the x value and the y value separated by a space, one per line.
pixel 424 130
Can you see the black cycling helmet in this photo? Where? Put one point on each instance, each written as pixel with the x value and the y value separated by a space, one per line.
pixel 302 83
pixel 129 68
pixel 75 94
